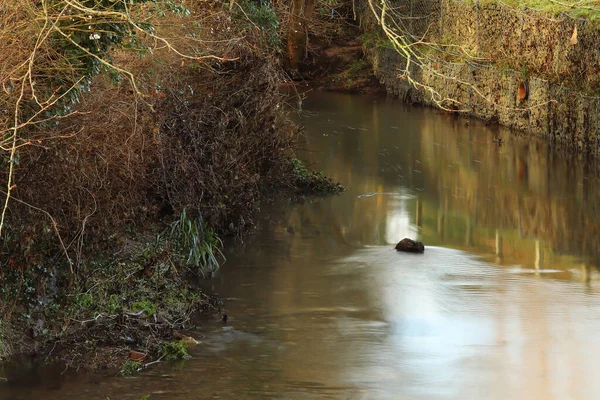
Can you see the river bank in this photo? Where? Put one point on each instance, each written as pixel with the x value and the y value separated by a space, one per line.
pixel 116 208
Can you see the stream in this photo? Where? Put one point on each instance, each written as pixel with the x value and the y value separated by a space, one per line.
pixel 503 304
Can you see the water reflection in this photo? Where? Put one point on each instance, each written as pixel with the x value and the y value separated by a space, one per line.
pixel 500 306
pixel 514 202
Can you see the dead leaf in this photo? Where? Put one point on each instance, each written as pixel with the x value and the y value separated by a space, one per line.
pixel 190 341
pixel 573 40
pixel 136 355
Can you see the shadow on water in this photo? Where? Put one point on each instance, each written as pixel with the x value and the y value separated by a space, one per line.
pixel 499 306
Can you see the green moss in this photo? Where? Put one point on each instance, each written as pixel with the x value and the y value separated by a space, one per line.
pixel 144 305
pixel 84 301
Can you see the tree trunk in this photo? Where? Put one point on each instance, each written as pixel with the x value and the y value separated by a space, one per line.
pixel 300 15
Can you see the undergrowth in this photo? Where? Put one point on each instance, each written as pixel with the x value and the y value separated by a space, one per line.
pixel 135 302
pixel 313 182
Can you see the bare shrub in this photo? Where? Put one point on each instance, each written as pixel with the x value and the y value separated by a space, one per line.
pixel 206 136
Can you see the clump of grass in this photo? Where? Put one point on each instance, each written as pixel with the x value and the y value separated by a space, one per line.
pixel 174 350
pixel 130 367
pixel 197 242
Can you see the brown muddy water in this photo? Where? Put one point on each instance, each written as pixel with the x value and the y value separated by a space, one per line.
pixel 504 304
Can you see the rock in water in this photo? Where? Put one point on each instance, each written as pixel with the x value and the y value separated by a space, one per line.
pixel 410 246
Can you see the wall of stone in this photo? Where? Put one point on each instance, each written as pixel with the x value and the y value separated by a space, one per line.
pixel 515 48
